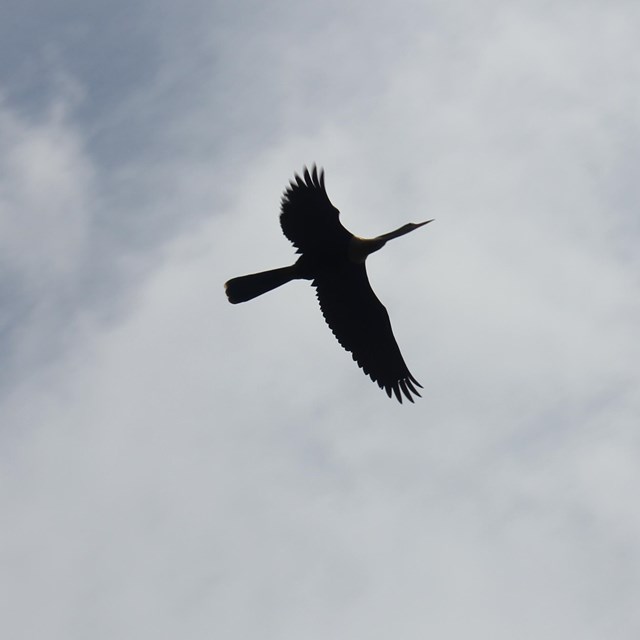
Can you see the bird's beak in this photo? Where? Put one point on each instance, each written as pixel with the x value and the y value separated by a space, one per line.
pixel 421 224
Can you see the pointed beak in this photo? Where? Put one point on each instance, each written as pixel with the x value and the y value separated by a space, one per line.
pixel 421 224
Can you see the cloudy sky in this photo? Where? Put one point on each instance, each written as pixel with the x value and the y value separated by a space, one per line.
pixel 172 466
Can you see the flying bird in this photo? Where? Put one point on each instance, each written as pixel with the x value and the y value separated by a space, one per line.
pixel 334 260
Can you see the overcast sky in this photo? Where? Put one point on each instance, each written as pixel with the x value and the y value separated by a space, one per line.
pixel 172 466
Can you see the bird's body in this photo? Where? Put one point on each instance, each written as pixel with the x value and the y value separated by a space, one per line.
pixel 334 260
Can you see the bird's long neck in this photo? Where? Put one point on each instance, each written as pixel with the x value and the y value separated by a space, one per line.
pixel 404 229
pixel 360 248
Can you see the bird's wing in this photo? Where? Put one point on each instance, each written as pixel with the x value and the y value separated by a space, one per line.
pixel 361 324
pixel 307 216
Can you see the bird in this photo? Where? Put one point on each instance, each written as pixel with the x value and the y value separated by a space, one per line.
pixel 333 259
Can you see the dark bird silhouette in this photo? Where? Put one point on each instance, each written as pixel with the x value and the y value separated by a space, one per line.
pixel 334 260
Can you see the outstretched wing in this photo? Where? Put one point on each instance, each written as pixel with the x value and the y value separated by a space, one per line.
pixel 307 216
pixel 361 324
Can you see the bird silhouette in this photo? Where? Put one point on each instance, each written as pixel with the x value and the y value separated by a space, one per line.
pixel 334 260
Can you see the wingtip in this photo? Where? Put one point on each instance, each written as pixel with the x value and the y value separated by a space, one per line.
pixel 311 177
pixel 408 382
pixel 406 389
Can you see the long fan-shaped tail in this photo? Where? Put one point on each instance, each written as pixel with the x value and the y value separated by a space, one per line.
pixel 248 287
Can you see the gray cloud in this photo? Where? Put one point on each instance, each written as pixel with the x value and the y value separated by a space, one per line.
pixel 175 466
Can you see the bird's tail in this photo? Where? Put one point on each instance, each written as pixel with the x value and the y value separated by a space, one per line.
pixel 248 287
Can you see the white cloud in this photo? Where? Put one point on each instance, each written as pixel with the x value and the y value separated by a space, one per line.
pixel 189 468
pixel 45 193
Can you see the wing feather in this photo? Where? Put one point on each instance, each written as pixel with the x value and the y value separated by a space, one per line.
pixel 361 324
pixel 307 217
